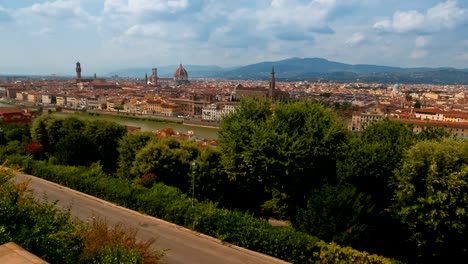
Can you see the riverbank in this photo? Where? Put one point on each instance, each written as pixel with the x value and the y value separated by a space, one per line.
pixel 197 123
pixel 154 118
pixel 131 116
pixel 147 124
pixel 6 103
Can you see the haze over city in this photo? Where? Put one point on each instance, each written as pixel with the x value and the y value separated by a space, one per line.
pixel 45 37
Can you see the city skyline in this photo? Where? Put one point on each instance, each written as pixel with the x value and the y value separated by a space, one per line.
pixel 45 37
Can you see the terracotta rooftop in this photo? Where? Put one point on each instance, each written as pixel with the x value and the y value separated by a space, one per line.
pixel 9 110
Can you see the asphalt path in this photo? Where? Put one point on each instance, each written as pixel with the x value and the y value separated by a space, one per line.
pixel 184 245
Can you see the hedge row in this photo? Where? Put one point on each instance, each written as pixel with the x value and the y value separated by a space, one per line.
pixel 53 236
pixel 172 205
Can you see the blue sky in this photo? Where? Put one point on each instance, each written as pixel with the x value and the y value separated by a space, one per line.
pixel 45 37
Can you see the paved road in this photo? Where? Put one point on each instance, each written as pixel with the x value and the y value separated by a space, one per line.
pixel 185 246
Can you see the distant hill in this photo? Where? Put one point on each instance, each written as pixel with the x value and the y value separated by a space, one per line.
pixel 195 71
pixel 314 69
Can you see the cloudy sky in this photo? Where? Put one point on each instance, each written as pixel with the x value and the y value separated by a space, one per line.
pixel 44 37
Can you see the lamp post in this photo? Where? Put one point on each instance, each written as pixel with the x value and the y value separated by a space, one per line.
pixel 194 167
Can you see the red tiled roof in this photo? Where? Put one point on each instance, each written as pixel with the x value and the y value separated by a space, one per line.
pixel 9 110
pixel 435 123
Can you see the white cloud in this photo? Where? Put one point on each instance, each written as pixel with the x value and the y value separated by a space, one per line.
pixel 355 39
pixel 143 6
pixel 160 30
pixel 296 17
pixel 421 42
pixel 58 10
pixel 418 54
pixel 4 14
pixel 155 30
pixel 43 31
pixel 446 15
pixel 463 56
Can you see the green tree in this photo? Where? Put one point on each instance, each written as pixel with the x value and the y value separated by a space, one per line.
pixel 431 199
pixel 372 156
pixel 75 149
pixel 417 104
pixel 104 138
pixel 336 213
pixel 169 160
pixel 433 133
pixel 11 132
pixel 212 182
pixel 96 139
pixel 127 148
pixel 236 137
pixel 39 228
pixel 368 164
pixel 39 131
pixel 291 148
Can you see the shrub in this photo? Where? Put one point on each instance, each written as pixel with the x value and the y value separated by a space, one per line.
pixel 332 253
pixel 53 236
pixel 39 228
pixel 172 205
pixel 116 245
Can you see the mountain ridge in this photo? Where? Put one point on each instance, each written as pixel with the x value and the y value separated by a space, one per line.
pixel 314 69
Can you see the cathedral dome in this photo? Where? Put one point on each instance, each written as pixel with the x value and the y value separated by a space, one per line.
pixel 181 73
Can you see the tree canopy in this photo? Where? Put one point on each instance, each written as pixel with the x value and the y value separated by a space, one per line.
pixel 431 198
pixel 290 147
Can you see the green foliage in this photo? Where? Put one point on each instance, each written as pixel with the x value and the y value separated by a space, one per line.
pixel 369 163
pixel 334 254
pixel 52 235
pixel 104 137
pixel 212 182
pixel 39 228
pixel 77 142
pixel 433 133
pixel 74 149
pixel 14 132
pixel 118 244
pixel 128 146
pixel 172 205
pixel 431 197
pixel 39 130
pixel 336 213
pixel 417 104
pixel 169 160
pixel 12 147
pixel 372 157
pixel 276 207
pixel 147 180
pixel 288 147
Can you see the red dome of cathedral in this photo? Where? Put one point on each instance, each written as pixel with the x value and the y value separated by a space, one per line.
pixel 181 73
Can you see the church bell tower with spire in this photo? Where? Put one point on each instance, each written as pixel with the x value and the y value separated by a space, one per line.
pixel 272 82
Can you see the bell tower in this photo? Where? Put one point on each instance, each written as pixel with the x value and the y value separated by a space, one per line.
pixel 78 71
pixel 272 82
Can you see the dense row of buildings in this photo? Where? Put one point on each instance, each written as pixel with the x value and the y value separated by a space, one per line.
pixel 441 107
pixel 421 105
pixel 177 96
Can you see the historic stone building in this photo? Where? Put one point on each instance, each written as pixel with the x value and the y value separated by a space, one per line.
pixel 271 92
pixel 180 77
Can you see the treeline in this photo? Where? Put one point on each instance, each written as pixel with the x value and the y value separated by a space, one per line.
pixel 385 191
pixel 53 236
